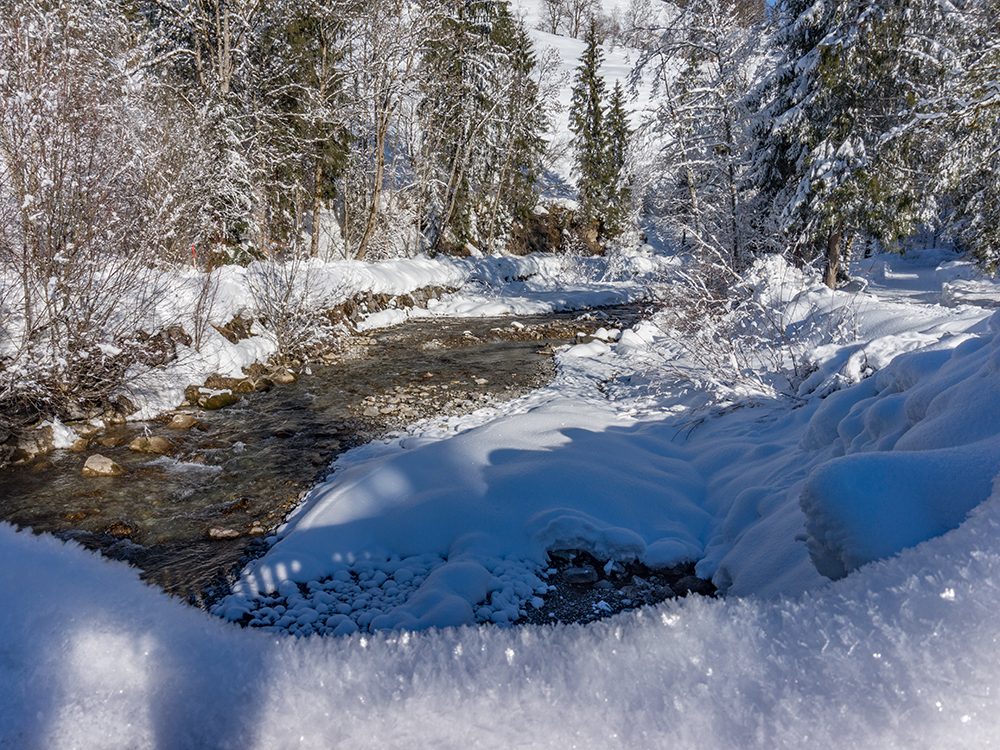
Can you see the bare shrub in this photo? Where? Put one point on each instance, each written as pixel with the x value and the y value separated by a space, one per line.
pixel 77 260
pixel 289 306
pixel 746 333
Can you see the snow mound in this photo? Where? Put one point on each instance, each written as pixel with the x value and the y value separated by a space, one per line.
pixel 919 446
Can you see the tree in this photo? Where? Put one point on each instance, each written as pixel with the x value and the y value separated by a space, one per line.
pixel 704 62
pixel 820 163
pixel 77 232
pixel 957 123
pixel 381 64
pixel 512 159
pixel 586 121
pixel 619 137
pixel 312 93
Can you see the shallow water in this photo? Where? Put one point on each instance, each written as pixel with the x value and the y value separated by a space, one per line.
pixel 244 467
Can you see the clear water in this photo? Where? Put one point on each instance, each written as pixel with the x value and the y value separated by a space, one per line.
pixel 246 466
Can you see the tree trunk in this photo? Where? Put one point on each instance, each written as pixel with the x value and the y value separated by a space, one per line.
pixel 833 254
pixel 317 206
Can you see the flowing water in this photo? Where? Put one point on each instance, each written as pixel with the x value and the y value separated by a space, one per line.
pixel 190 519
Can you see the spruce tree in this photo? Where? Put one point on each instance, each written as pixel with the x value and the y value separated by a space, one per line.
pixel 586 121
pixel 619 190
pixel 820 163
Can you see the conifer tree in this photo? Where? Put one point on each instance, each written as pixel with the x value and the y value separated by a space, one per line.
pixel 514 144
pixel 819 161
pixel 586 121
pixel 619 190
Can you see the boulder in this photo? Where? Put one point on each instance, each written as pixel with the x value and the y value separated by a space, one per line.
pixel 182 422
pixel 218 400
pixel 581 575
pixel 150 445
pixel 101 466
pixel 691 585
pixel 35 443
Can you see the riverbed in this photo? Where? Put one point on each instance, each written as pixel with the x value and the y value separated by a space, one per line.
pixel 191 518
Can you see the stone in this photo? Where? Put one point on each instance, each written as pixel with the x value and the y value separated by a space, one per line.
pixel 35 443
pixel 79 445
pixel 121 528
pixel 691 585
pixel 604 585
pixel 220 532
pixel 244 386
pixel 101 466
pixel 283 376
pixel 152 444
pixel 111 441
pixel 218 400
pixel 578 576
pixel 263 384
pixel 192 393
pixel 217 382
pixel 371 411
pixel 182 422
pixel 85 429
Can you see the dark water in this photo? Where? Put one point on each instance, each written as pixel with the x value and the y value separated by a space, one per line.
pixel 244 467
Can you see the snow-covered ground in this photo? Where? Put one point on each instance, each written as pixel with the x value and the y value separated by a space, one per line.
pixel 882 465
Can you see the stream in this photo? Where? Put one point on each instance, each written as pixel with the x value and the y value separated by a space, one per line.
pixel 191 519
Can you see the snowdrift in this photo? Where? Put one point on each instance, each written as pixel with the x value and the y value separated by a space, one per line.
pixel 919 446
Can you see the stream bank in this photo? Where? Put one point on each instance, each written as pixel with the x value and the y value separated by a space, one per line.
pixel 190 517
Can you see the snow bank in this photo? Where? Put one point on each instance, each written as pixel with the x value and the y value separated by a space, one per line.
pixel 900 654
pixel 919 448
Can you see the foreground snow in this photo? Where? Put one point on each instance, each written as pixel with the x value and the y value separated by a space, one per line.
pixel 901 654
pixel 896 430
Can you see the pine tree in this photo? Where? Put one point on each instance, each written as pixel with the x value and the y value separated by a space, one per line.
pixel 586 121
pixel 820 163
pixel 959 123
pixel 619 190
pixel 512 160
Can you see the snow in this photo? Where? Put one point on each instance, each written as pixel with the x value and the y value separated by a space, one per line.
pixel 900 654
pixel 850 515
pixel 419 551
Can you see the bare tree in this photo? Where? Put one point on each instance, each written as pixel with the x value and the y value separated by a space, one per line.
pixel 77 242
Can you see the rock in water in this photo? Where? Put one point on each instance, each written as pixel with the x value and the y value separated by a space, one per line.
pixel 101 466
pixel 218 400
pixel 283 376
pixel 150 445
pixel 220 532
pixel 182 422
